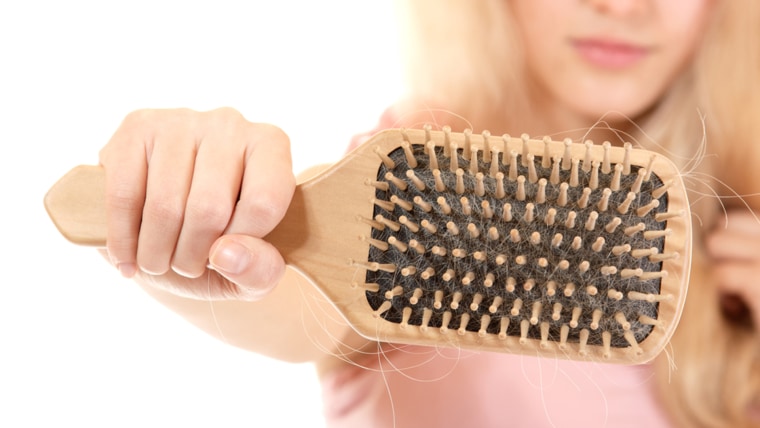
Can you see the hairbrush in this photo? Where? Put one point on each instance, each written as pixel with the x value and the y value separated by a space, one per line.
pixel 517 245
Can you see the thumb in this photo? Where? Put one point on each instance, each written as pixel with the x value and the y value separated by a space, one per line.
pixel 251 264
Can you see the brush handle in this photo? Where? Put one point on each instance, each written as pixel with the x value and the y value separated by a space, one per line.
pixel 76 204
pixel 313 235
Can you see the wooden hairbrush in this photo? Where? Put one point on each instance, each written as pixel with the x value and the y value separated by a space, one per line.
pixel 516 245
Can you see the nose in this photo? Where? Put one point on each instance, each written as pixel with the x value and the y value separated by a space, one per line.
pixel 618 7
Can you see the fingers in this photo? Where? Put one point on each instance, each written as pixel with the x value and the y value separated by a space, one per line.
pixel 216 179
pixel 125 195
pixel 737 239
pixel 267 187
pixel 179 180
pixel 169 178
pixel 735 251
pixel 734 246
pixel 259 172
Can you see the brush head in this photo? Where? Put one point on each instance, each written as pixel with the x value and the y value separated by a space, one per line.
pixel 527 246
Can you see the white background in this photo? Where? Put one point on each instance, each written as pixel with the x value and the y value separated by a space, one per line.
pixel 78 345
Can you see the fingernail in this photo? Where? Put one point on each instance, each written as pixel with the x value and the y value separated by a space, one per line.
pixel 127 270
pixel 230 257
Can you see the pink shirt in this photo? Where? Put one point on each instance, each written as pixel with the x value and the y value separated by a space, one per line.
pixel 424 387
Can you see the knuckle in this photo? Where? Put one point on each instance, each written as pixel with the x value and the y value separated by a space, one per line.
pixel 137 128
pixel 272 134
pixel 138 118
pixel 123 198
pixel 226 112
pixel 209 214
pixel 265 211
pixel 125 208
pixel 167 210
pixel 271 272
pixel 225 117
pixel 151 120
pixel 149 115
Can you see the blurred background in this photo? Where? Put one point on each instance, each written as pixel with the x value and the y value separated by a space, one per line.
pixel 79 346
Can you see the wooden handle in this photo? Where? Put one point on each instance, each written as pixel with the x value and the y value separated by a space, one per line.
pixel 76 204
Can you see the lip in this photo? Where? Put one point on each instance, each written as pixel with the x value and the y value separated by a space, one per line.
pixel 610 54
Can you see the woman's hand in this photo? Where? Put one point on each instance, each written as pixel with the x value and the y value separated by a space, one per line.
pixel 734 247
pixel 189 190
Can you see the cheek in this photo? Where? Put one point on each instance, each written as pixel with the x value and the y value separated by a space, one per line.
pixel 684 28
pixel 542 23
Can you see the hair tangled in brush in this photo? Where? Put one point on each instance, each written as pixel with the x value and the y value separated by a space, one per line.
pixel 549 248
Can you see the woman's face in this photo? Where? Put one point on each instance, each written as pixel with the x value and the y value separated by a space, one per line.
pixel 592 57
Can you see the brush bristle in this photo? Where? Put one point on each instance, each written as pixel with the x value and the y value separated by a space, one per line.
pixel 498 242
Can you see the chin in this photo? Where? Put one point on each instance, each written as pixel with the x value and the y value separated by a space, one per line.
pixel 613 111
pixel 625 97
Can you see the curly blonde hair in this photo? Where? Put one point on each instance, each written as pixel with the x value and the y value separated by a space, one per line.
pixel 465 57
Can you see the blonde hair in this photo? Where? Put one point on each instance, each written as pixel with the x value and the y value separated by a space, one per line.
pixel 466 57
